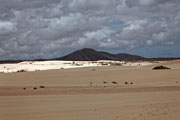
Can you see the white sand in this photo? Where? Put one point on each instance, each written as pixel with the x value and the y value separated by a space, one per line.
pixel 49 65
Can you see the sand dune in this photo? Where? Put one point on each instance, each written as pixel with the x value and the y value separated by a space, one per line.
pixel 172 62
pixel 43 65
pixel 175 64
pixel 102 92
pixel 52 65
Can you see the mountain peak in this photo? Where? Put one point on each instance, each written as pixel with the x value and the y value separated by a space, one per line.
pixel 89 54
pixel 86 49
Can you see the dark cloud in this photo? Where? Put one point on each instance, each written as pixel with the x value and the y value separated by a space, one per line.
pixel 47 28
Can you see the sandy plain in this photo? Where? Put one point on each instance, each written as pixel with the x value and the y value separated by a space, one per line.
pixel 93 93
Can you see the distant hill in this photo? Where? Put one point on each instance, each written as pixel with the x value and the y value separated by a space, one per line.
pixel 10 61
pixel 88 54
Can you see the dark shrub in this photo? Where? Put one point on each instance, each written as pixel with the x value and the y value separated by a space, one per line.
pixel 91 83
pixel 114 82
pixel 160 68
pixel 126 83
pixel 42 86
pixel 104 82
pixel 35 88
pixel 21 71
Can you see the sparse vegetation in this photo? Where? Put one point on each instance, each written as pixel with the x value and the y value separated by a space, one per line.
pixel 76 64
pixel 41 86
pixel 104 82
pixel 103 63
pixel 160 68
pixel 132 83
pixel 35 88
pixel 115 64
pixel 21 71
pixel 67 63
pixel 114 82
pixel 24 88
pixel 91 83
pixel 126 83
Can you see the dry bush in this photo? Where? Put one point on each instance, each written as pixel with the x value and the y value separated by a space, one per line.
pixel 104 82
pixel 126 83
pixel 41 86
pixel 160 68
pixel 21 71
pixel 114 82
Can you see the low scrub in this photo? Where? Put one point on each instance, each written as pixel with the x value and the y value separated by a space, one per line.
pixel 41 86
pixel 114 82
pixel 91 83
pixel 21 71
pixel 160 68
pixel 126 83
pixel 104 82
pixel 115 64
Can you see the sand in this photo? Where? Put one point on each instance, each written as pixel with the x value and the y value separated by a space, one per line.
pixel 28 66
pixel 44 65
pixel 126 106
pixel 93 93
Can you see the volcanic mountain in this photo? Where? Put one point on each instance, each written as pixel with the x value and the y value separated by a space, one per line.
pixel 88 54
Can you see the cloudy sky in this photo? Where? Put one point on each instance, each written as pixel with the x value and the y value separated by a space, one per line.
pixel 32 29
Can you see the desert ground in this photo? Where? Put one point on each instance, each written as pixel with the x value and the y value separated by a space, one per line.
pixel 115 92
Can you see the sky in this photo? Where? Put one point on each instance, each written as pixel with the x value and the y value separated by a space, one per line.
pixel 33 29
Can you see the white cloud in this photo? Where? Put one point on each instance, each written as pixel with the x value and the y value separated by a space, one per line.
pixel 7 27
pixel 149 42
pixel 147 2
pixel 160 37
pixel 135 25
pixel 43 28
